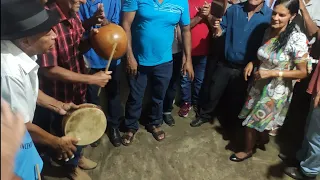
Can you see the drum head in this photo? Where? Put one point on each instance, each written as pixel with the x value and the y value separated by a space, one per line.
pixel 87 123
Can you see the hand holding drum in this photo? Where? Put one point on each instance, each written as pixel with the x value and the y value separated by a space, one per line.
pixel 110 43
pixel 87 123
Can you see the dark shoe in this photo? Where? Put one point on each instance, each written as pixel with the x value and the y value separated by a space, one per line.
pixel 198 122
pixel 289 160
pixel 168 119
pixel 234 158
pixel 114 136
pixel 295 173
pixel 196 110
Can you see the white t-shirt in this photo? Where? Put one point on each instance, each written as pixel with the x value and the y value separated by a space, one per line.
pixel 19 80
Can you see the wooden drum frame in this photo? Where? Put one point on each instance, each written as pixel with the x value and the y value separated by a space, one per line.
pixel 87 123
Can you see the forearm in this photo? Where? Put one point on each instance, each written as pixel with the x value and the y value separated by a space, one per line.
pixel 62 74
pixel 310 25
pixel 40 136
pixel 46 101
pixel 291 74
pixel 186 38
pixel 194 21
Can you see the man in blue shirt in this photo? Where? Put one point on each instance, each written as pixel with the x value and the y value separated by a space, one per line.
pixel 243 25
pixel 149 25
pixel 93 14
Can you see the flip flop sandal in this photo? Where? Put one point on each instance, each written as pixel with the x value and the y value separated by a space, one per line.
pixel 274 132
pixel 127 137
pixel 156 134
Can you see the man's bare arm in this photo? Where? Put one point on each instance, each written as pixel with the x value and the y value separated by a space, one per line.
pixel 62 74
pixel 311 26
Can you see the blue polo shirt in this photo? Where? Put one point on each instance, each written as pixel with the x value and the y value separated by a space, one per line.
pixel 243 37
pixel 153 28
pixel 112 10
pixel 26 160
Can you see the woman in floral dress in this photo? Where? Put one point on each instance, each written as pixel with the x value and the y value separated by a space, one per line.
pixel 282 59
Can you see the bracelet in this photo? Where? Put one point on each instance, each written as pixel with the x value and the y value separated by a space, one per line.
pixel 280 73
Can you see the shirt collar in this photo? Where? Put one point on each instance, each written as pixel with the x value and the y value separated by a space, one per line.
pixel 263 10
pixel 10 50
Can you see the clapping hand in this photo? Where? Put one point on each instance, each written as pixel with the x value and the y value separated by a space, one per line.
pixel 98 17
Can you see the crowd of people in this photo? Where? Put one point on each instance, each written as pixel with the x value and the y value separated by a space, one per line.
pixel 258 51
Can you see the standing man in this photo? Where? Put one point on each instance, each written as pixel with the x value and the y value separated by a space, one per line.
pixel 243 25
pixel 175 78
pixel 62 74
pixel 200 38
pixel 150 29
pixel 92 14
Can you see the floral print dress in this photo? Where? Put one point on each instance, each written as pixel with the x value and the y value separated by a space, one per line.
pixel 269 99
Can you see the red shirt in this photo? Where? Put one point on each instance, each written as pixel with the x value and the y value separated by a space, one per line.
pixel 200 33
pixel 66 55
pixel 314 85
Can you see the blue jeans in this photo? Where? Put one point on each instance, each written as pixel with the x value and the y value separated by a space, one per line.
pixel 309 154
pixel 112 90
pixel 172 88
pixel 199 67
pixel 159 77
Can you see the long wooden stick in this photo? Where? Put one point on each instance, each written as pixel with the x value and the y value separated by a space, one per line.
pixel 109 62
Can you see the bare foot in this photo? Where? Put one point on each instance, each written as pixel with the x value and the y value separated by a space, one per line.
pixel 161 136
pixel 242 155
pixel 127 138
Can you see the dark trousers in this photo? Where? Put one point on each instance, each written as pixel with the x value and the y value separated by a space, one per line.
pixel 52 122
pixel 159 77
pixel 173 85
pixel 226 76
pixel 112 90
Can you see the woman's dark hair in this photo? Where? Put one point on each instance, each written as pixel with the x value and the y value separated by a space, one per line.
pixel 293 7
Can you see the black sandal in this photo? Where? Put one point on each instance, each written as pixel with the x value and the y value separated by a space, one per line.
pixel 234 157
pixel 155 134
pixel 127 137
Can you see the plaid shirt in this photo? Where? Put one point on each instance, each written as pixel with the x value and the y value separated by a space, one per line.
pixel 65 54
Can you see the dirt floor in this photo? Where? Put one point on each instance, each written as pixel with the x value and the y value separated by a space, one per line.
pixel 194 153
pixel 186 154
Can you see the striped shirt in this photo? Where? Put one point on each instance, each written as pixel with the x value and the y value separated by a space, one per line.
pixel 65 54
